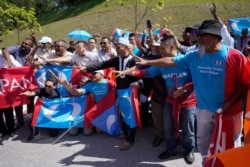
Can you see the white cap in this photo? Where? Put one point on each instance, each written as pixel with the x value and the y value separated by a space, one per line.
pixel 123 41
pixel 45 39
pixel 158 43
pixel 100 71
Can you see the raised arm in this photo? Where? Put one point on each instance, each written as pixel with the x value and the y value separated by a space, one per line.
pixel 28 93
pixel 6 55
pixel 68 86
pixel 57 60
pixel 214 13
pixel 162 62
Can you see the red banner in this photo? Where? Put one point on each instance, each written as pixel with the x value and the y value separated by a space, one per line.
pixel 13 81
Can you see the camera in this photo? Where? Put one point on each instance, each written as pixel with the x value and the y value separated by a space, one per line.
pixel 149 24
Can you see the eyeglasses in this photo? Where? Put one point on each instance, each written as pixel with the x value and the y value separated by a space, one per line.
pixel 48 86
pixel 103 43
pixel 58 46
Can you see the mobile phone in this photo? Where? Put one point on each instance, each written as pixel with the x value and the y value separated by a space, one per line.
pixel 149 24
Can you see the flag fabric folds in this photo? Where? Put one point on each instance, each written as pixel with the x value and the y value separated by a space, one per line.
pixel 237 24
pixel 59 112
pixel 232 157
pixel 67 73
pixel 14 81
pixel 222 138
pixel 104 115
pixel 129 106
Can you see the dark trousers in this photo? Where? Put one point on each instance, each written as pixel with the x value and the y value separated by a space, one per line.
pixel 8 125
pixel 129 132
pixel 19 110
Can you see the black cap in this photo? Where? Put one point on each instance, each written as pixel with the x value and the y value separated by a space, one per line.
pixel 210 27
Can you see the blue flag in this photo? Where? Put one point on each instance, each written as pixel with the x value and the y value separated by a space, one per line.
pixel 59 112
pixel 237 24
pixel 125 103
pixel 63 72
pixel 108 121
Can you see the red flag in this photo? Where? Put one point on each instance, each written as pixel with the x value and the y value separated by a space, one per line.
pixel 247 120
pixel 97 109
pixel 135 102
pixel 176 109
pixel 14 81
pixel 222 138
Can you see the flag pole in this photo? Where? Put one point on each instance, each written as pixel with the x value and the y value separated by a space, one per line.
pixel 74 124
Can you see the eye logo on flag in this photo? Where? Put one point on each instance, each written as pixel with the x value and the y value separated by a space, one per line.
pixel 59 112
pixel 128 103
pixel 108 121
pixel 237 24
pixel 63 72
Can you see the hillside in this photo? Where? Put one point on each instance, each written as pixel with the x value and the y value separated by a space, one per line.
pixel 100 20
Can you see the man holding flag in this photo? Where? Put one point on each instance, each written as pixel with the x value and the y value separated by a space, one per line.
pixel 221 78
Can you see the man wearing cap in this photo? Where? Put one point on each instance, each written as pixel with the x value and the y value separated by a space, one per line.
pixel 44 50
pixel 121 62
pixel 220 76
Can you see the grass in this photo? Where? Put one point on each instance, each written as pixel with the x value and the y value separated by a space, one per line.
pixel 99 20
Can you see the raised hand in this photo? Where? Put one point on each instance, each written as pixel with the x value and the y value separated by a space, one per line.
pixel 213 10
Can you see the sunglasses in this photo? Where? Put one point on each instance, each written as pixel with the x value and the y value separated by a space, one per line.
pixel 103 43
pixel 48 86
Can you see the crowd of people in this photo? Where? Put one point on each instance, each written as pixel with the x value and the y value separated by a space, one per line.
pixel 182 84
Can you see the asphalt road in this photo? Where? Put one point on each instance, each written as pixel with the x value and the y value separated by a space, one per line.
pixel 98 150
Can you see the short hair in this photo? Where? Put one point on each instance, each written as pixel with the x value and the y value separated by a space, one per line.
pixel 63 42
pixel 108 39
pixel 51 80
pixel 85 44
pixel 131 34
pixel 93 39
pixel 31 40
pixel 169 39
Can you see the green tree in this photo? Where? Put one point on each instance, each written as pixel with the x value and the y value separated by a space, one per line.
pixel 19 19
pixel 141 8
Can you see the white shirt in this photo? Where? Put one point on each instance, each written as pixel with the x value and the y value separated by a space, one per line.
pixel 88 59
pixel 3 62
pixel 227 39
pixel 103 56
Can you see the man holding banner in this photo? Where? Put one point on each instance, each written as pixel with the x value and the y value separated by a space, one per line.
pixel 221 78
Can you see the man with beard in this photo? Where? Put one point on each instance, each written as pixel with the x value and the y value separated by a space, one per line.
pixel 221 78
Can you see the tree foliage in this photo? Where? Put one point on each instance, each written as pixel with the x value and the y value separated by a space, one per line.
pixel 146 6
pixel 17 18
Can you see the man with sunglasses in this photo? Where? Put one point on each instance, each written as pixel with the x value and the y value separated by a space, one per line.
pixel 47 92
pixel 106 50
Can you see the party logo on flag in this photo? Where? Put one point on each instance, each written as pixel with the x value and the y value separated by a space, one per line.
pixel 128 105
pixel 108 121
pixel 59 112
pixel 67 73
